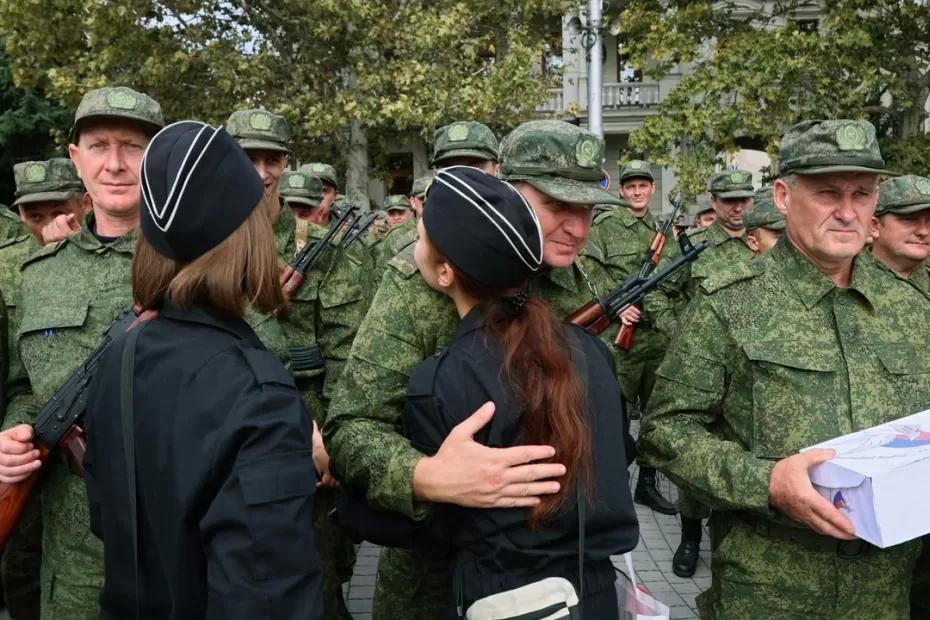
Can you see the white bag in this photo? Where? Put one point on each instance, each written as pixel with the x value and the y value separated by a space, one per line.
pixel 546 599
pixel 635 601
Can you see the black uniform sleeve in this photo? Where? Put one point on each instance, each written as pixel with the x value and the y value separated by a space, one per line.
pixel 257 531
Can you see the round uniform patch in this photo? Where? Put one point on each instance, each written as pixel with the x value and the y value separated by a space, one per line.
pixel 35 173
pixel 318 167
pixel 261 122
pixel 635 165
pixel 737 177
pixel 922 186
pixel 851 137
pixel 586 152
pixel 121 101
pixel 296 181
pixel 457 133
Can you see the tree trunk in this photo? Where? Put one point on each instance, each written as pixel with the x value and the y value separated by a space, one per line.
pixel 357 165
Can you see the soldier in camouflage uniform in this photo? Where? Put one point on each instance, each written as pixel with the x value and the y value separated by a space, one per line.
pixel 624 234
pixel 398 210
pixel 901 228
pixel 10 224
pixel 47 190
pixel 418 193
pixel 327 175
pixel 71 292
pixel 264 137
pixel 557 167
pixel 44 186
pixel 765 224
pixel 465 143
pixel 809 342
pixel 301 193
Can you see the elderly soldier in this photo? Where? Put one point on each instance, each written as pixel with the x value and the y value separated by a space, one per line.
pixel 264 137
pixel 765 224
pixel 71 291
pixel 901 228
pixel 624 234
pixel 49 198
pixel 302 193
pixel 418 193
pixel 327 175
pixel 466 143
pixel 557 167
pixel 811 341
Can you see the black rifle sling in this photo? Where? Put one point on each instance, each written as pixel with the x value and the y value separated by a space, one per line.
pixel 580 362
pixel 129 447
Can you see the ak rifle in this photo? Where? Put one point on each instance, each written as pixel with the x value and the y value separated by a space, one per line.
pixel 58 426
pixel 597 315
pixel 293 276
pixel 359 226
pixel 650 262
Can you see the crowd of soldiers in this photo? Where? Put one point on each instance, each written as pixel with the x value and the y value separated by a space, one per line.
pixel 806 318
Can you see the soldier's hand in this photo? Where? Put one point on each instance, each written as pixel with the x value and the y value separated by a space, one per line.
pixel 791 492
pixel 631 316
pixel 18 456
pixel 467 473
pixel 61 227
pixel 321 461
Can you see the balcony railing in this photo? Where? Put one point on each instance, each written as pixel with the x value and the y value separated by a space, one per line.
pixel 614 96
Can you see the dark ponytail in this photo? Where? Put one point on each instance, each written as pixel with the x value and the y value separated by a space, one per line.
pixel 538 366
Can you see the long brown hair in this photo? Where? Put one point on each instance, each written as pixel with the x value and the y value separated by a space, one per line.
pixel 242 269
pixel 538 366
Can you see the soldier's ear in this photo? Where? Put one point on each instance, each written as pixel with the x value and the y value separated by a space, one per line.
pixel 72 153
pixel 873 230
pixel 781 196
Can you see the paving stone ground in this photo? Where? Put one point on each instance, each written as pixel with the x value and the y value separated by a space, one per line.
pixel 652 558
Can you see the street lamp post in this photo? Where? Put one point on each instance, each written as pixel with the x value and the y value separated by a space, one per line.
pixel 592 42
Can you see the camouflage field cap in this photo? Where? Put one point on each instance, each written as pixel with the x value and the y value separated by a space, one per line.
pixel 259 129
pixel 904 195
pixel 420 186
pixel 118 102
pixel 732 184
pixel 325 172
pixel 300 187
pixel 559 159
pixel 763 213
pixel 826 147
pixel 465 139
pixel 55 180
pixel 636 169
pixel 396 202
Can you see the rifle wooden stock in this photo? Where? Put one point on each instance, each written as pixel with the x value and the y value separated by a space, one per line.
pixel 624 339
pixel 590 317
pixel 291 281
pixel 13 498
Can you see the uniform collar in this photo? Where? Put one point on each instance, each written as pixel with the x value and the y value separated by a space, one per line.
pixel 718 236
pixel 810 284
pixel 203 316
pixel 86 240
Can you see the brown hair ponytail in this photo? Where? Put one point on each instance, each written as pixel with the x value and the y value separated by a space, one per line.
pixel 538 366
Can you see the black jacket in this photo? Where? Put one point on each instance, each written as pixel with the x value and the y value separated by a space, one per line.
pixel 495 548
pixel 225 479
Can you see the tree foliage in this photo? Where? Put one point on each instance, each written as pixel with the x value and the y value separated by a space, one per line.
pixel 757 71
pixel 29 124
pixel 390 65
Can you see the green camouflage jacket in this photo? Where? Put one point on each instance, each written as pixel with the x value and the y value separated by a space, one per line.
pixel 71 292
pixel 407 322
pixel 13 253
pixel 772 358
pixel 10 225
pixel 394 241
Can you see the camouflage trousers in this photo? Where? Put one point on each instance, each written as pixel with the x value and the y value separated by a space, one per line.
pixel 690 508
pixel 413 584
pixel 636 368
pixel 757 577
pixel 22 560
pixel 337 555
pixel 72 557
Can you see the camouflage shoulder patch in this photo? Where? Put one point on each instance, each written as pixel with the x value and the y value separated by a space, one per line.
pixel 44 252
pixel 404 262
pixel 731 274
pixel 14 240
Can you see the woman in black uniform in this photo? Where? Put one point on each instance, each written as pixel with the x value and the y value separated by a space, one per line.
pixel 199 469
pixel 479 243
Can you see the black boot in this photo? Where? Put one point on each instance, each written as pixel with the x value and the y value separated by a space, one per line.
pixel 648 495
pixel 685 560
